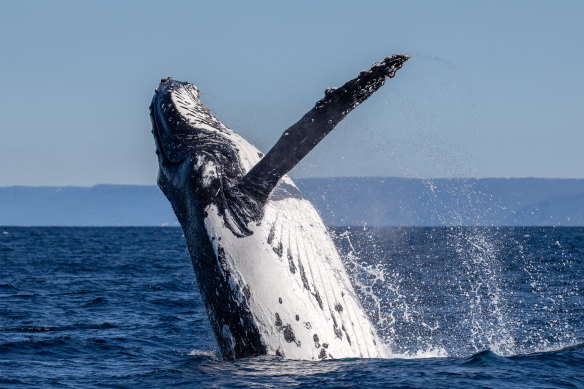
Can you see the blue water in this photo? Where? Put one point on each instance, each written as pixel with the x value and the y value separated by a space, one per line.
pixel 458 307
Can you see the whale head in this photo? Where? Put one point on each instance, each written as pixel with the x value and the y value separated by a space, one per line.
pixel 171 133
pixel 182 125
pixel 199 155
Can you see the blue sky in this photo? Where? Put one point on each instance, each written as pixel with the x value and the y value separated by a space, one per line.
pixel 493 89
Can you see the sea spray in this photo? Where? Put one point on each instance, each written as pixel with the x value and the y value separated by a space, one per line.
pixel 456 291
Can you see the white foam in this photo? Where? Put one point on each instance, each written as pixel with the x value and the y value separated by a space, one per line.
pixel 204 353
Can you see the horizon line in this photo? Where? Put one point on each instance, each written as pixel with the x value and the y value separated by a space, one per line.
pixel 312 178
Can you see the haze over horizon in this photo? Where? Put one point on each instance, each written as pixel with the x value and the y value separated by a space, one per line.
pixel 340 201
pixel 428 179
pixel 501 100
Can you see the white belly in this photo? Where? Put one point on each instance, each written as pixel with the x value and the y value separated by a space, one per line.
pixel 299 292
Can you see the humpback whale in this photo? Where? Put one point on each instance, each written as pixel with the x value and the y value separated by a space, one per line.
pixel 270 276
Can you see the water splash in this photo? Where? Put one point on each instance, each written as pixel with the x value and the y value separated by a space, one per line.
pixel 480 282
pixel 456 291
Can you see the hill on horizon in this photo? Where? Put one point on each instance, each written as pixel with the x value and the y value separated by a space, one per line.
pixel 375 201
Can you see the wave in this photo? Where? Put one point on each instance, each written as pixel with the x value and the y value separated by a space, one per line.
pixel 75 327
pixel 204 354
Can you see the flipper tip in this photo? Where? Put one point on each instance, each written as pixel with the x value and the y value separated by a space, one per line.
pixel 393 63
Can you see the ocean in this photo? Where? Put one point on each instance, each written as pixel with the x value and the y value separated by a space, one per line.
pixel 458 307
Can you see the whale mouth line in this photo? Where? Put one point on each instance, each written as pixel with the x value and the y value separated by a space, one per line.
pixel 156 132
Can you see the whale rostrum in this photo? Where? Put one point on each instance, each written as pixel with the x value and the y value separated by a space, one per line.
pixel 269 274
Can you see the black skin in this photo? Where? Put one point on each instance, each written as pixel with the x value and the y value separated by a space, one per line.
pixel 184 150
pixel 227 308
pixel 298 140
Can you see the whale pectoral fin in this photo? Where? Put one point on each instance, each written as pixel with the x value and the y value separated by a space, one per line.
pixel 304 135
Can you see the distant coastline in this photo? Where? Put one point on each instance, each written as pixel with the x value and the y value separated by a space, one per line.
pixel 374 201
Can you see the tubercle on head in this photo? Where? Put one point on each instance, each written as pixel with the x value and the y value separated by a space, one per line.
pixel 167 120
pixel 169 84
